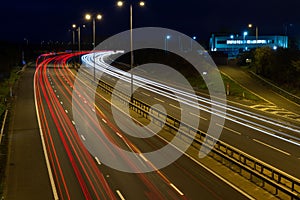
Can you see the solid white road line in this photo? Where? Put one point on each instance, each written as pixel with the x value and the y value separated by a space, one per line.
pixel 51 177
pixel 229 129
pixel 175 188
pixel 281 151
pixel 120 195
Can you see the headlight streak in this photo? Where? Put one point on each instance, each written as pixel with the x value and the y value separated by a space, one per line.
pixel 160 89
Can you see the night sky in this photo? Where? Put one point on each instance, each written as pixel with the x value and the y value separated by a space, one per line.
pixel 38 20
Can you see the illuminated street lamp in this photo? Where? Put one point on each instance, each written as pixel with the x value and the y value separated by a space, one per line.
pixel 79 34
pixel 256 30
pixel 73 36
pixel 167 37
pixel 193 38
pixel 245 34
pixel 121 4
pixel 93 18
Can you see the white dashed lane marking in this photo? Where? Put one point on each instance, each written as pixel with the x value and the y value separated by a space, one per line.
pixel 267 145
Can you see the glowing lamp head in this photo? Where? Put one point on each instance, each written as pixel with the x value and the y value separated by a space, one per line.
pixel 99 17
pixel 142 3
pixel 73 25
pixel 245 33
pixel 250 25
pixel 168 37
pixel 88 17
pixel 120 3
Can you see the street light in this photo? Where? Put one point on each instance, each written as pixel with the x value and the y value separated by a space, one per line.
pixel 256 30
pixel 245 43
pixel 245 34
pixel 167 37
pixel 73 35
pixel 93 18
pixel 79 34
pixel 121 4
pixel 193 38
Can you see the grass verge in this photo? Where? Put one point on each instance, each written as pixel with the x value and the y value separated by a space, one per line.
pixel 235 90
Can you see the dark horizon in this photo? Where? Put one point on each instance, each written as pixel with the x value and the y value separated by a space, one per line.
pixel 34 21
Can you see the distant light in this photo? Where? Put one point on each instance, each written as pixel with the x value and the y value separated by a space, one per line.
pixel 120 3
pixel 204 73
pixel 248 60
pixel 245 33
pixel 73 25
pixel 142 3
pixel 275 47
pixel 250 25
pixel 99 17
pixel 88 17
pixel 168 37
pixel 231 36
pixel 194 38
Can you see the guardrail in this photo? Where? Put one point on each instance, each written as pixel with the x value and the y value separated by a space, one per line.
pixel 266 176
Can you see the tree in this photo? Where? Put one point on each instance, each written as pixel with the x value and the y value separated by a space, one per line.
pixel 263 60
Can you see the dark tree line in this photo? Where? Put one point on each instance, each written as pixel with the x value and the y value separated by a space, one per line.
pixel 282 66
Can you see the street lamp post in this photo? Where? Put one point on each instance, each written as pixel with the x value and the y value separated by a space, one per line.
pixel 256 31
pixel 167 37
pixel 93 18
pixel 141 4
pixel 194 38
pixel 79 35
pixel 73 36
pixel 245 43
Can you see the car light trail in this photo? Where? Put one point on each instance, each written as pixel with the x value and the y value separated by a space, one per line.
pixel 161 89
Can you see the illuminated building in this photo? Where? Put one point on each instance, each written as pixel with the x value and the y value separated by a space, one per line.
pixel 233 45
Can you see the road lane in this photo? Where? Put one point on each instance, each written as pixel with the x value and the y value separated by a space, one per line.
pixel 155 184
pixel 126 185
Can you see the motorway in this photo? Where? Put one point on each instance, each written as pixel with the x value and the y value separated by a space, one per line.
pixel 77 174
pixel 273 141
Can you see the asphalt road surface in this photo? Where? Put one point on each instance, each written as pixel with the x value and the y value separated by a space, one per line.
pixel 26 175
